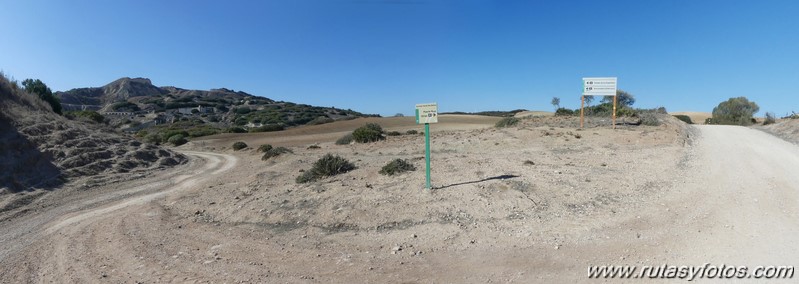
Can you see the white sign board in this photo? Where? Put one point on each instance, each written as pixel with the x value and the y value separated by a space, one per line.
pixel 427 113
pixel 604 86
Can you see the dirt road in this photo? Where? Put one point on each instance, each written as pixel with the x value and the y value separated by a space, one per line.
pixel 732 200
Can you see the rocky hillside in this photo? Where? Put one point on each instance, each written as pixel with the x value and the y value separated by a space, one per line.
pixel 41 150
pixel 135 104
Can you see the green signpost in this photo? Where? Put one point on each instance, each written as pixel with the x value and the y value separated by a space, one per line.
pixel 427 113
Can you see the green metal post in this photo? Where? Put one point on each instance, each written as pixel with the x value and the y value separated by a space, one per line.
pixel 427 153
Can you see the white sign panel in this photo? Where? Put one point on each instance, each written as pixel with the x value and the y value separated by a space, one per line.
pixel 601 86
pixel 427 113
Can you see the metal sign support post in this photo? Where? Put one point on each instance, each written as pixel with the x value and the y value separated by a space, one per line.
pixel 614 112
pixel 582 102
pixel 427 155
pixel 427 114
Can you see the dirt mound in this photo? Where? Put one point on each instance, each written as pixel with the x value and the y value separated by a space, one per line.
pixel 787 129
pixel 40 149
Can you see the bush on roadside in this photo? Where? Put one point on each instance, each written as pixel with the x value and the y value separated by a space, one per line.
pixel 507 122
pixel 393 133
pixel 371 132
pixel 326 166
pixel 236 129
pixel 264 148
pixel 684 118
pixel 274 152
pixel 649 119
pixel 177 139
pixel 239 145
pixel 345 140
pixel 734 111
pixel 397 166
pixel 770 118
pixel 411 132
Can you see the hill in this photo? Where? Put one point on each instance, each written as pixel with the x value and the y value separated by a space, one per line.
pixel 135 104
pixel 41 150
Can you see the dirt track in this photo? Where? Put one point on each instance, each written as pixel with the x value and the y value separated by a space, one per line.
pixel 733 199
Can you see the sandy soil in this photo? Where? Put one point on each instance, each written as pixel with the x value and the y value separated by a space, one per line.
pixel 532 203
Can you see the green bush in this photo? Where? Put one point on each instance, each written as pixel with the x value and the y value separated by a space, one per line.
pixel 393 133
pixel 274 152
pixel 152 138
pixel 397 166
pixel 345 140
pixel 370 132
pixel 564 112
pixel 684 118
pixel 236 130
pixel 320 120
pixel 239 145
pixel 770 118
pixel 40 89
pixel 268 128
pixel 177 140
pixel 86 114
pixel 264 148
pixel 411 132
pixel 507 122
pixel 327 166
pixel 735 111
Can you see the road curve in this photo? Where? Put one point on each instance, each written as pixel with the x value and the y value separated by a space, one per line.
pixel 19 234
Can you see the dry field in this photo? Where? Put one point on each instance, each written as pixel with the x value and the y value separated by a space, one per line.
pixel 538 202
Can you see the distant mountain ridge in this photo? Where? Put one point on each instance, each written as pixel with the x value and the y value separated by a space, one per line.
pixel 135 104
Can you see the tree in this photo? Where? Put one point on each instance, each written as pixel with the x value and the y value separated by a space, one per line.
pixel 734 111
pixel 623 98
pixel 556 102
pixel 40 89
pixel 588 100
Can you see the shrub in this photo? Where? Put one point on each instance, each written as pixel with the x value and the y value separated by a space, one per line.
pixel 236 130
pixel 345 140
pixel 735 111
pixel 274 152
pixel 393 133
pixel 649 119
pixel 264 148
pixel 507 122
pixel 268 128
pixel 314 147
pixel 564 112
pixel 411 132
pixel 327 166
pixel 152 138
pixel 770 118
pixel 86 114
pixel 40 89
pixel 370 132
pixel 239 145
pixel 177 140
pixel 320 120
pixel 684 118
pixel 397 166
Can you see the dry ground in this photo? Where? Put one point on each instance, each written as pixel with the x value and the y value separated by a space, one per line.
pixel 532 203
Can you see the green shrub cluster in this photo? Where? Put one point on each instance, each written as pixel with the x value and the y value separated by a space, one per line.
pixel 85 114
pixel 565 112
pixel 264 148
pixel 236 129
pixel 649 118
pixel 177 139
pixel 397 166
pixel 371 132
pixel 393 133
pixel 770 118
pixel 507 122
pixel 326 166
pixel 239 145
pixel 345 140
pixel 684 118
pixel 411 132
pixel 734 111
pixel 274 152
pixel 268 128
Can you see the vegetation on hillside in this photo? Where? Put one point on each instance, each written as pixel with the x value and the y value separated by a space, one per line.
pixel 734 111
pixel 37 87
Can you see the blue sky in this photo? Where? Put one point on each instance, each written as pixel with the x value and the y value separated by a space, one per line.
pixel 384 57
